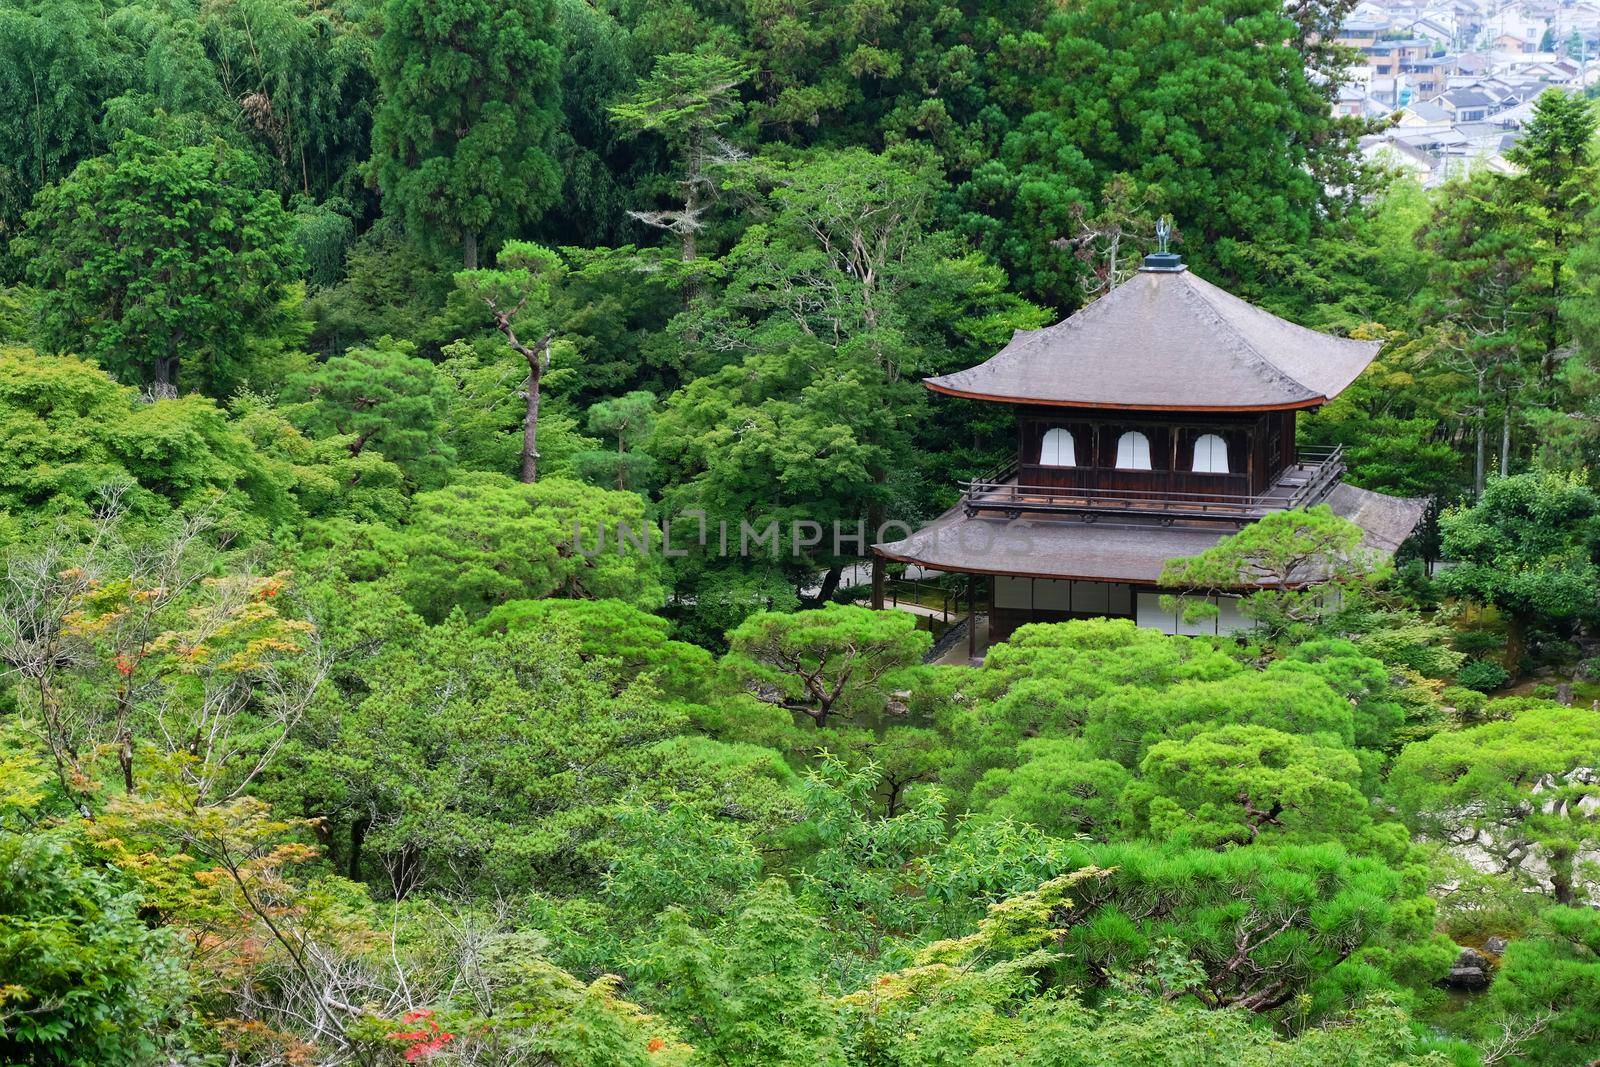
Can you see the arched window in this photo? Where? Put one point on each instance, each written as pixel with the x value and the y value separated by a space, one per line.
pixel 1133 451
pixel 1210 454
pixel 1058 449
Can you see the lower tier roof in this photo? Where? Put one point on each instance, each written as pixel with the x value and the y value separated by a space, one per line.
pixel 1039 546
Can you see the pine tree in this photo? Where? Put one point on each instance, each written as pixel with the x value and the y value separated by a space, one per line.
pixel 686 100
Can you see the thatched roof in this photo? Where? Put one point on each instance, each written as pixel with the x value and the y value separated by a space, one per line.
pixel 1132 551
pixel 1167 340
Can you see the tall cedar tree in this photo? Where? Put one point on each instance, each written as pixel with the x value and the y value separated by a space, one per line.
pixel 1482 300
pixel 469 97
pixel 1207 104
pixel 1558 178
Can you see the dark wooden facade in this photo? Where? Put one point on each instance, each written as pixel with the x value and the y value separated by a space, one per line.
pixel 1003 622
pixel 1260 446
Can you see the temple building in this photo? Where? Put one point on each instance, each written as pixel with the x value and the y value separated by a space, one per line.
pixel 1151 424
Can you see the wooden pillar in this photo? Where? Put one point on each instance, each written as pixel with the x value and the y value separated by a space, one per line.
pixel 877 582
pixel 1173 433
pixel 972 616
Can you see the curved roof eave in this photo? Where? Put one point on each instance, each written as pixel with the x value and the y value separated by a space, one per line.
pixel 934 385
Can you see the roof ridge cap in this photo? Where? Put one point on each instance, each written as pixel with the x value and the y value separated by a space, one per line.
pixel 1242 343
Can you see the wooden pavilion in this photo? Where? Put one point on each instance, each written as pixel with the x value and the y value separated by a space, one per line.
pixel 1150 424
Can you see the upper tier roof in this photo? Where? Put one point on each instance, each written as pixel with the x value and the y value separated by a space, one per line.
pixel 1167 340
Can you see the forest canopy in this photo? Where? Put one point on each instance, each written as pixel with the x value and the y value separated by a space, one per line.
pixel 332 337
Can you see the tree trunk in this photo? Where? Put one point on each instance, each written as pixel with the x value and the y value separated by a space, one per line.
pixel 691 215
pixel 530 388
pixel 166 380
pixel 1505 442
pixel 891 803
pixel 830 585
pixel 1516 642
pixel 125 759
pixel 1553 315
pixel 877 582
pixel 358 443
pixel 358 835
pixel 688 248
pixel 1562 859
pixel 820 716
pixel 530 425
pixel 469 250
pixel 1483 445
pixel 620 484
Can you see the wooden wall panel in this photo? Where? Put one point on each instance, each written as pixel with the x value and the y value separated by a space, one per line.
pixel 1260 446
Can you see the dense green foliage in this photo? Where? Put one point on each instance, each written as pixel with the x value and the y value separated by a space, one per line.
pixel 86 980
pixel 154 257
pixel 438 437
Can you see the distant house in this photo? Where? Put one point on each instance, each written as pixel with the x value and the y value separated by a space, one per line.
pixel 1361 33
pixel 1483 140
pixel 1467 105
pixel 1353 102
pixel 1516 117
pixel 1436 141
pixel 1438 27
pixel 1385 151
pixel 1454 114
pixel 1392 91
pixel 1430 75
pixel 1550 69
pixel 1424 113
pixel 1391 56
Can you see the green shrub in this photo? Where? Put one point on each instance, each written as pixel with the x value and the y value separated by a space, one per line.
pixel 1469 703
pixel 1484 675
pixel 1553 650
pixel 1476 642
pixel 82 979
pixel 1556 973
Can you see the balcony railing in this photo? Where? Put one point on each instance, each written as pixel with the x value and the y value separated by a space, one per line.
pixel 1305 483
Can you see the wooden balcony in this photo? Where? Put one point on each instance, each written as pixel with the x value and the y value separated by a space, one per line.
pixel 1163 496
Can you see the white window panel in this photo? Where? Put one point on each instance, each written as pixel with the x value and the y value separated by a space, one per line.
pixel 1133 451
pixel 1058 449
pixel 1210 454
